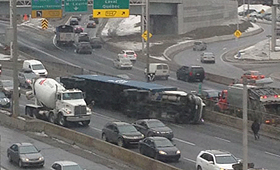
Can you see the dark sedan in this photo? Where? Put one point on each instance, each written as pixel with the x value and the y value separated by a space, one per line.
pixel 78 29
pixel 153 127
pixel 91 24
pixel 25 78
pixel 25 154
pixel 159 148
pixel 4 100
pixel 7 87
pixel 121 133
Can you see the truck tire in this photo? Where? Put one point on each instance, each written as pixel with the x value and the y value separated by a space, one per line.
pixel 28 111
pixel 85 123
pixel 51 118
pixel 61 120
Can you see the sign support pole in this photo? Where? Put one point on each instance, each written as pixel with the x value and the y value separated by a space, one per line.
pixel 143 24
pixel 245 122
pixel 148 38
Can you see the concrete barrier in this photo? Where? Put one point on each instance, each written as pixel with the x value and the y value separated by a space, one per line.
pixel 84 140
pixel 218 79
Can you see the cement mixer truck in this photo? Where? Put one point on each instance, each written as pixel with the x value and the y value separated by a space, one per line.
pixel 56 104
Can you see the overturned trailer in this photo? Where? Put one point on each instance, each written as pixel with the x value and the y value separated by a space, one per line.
pixel 138 99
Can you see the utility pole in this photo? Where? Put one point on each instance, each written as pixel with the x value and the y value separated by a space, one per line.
pixel 273 27
pixel 14 47
pixel 148 38
pixel 143 20
pixel 245 128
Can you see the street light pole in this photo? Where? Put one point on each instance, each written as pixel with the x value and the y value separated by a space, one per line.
pixel 143 24
pixel 148 38
pixel 245 128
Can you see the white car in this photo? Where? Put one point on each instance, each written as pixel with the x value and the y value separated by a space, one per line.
pixel 130 54
pixel 65 165
pixel 122 63
pixel 215 159
pixel 207 57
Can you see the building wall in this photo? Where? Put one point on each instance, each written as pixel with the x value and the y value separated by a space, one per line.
pixel 194 14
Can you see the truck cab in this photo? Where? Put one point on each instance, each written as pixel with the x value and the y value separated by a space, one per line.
pixel 222 102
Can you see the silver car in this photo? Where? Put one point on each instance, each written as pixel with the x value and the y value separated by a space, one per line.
pixel 25 78
pixel 130 54
pixel 25 154
pixel 207 57
pixel 7 87
pixel 4 100
pixel 199 46
pixel 123 63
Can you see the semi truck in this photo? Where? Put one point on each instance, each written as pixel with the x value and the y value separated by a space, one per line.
pixel 138 99
pixel 65 35
pixel 263 102
pixel 56 104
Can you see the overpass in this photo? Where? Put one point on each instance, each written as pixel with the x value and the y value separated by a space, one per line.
pixel 166 16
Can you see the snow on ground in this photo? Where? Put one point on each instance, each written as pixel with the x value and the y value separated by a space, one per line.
pixel 255 27
pixel 257 7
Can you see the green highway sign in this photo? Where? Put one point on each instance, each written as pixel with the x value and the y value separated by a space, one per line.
pixel 111 4
pixel 75 5
pixel 46 4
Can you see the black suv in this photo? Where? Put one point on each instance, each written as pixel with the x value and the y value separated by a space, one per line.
pixel 190 73
pixel 121 133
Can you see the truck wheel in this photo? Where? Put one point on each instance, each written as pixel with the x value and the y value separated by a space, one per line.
pixel 86 122
pixel 104 137
pixel 51 118
pixel 61 120
pixel 28 111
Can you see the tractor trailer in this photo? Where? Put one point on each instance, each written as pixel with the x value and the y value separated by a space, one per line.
pixel 56 104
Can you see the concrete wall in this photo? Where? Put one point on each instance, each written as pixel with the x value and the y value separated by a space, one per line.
pixel 194 14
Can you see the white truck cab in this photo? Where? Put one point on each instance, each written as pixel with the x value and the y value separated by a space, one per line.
pixel 36 66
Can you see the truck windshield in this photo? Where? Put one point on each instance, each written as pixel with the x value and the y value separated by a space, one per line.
pixel 72 96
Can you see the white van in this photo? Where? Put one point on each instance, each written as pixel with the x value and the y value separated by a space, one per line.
pixel 36 66
pixel 159 70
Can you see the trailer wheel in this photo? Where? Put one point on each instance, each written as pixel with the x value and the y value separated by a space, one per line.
pixel 86 122
pixel 51 118
pixel 61 120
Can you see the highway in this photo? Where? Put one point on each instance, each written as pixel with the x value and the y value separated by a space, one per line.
pixel 190 139
pixel 55 151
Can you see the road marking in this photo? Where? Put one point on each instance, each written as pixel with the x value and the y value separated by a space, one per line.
pixel 180 140
pixel 272 154
pixel 222 139
pixel 193 161
pixel 106 117
pixel 96 129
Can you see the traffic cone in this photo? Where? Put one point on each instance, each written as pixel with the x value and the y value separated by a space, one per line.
pixel 25 18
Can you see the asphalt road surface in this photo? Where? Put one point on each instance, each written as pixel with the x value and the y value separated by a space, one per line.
pixel 190 139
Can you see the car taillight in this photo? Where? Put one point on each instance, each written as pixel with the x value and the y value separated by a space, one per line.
pixel 262 76
pixel 190 73
pixel 125 55
pixel 135 55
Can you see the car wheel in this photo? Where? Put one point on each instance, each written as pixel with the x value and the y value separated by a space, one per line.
pixel 20 164
pixel 86 122
pixel 10 158
pixel 104 137
pixel 199 167
pixel 120 142
pixel 201 80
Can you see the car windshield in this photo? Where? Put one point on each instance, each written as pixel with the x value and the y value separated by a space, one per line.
pixel 208 55
pixel 2 95
pixel 127 128
pixel 72 167
pixel 30 76
pixel 38 67
pixel 72 96
pixel 161 143
pixel 130 53
pixel 27 149
pixel 8 83
pixel 152 124
pixel 213 93
pixel 225 159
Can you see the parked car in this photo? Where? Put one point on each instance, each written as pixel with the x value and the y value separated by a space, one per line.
pixel 130 54
pixel 215 159
pixel 122 63
pixel 159 148
pixel 25 154
pixel 255 75
pixel 25 78
pixel 4 100
pixel 158 70
pixel 91 24
pixel 121 133
pixel 74 21
pixel 65 165
pixel 7 87
pixel 96 42
pixel 153 127
pixel 78 29
pixel 84 48
pixel 193 73
pixel 79 17
pixel 199 46
pixel 207 57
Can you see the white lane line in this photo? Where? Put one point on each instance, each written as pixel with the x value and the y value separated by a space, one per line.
pixel 96 129
pixel 272 154
pixel 222 139
pixel 180 140
pixel 106 117
pixel 193 161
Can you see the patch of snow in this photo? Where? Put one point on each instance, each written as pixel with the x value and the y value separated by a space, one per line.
pixel 255 27
pixel 122 26
pixel 159 58
pixel 4 57
pixel 41 134
pixel 257 7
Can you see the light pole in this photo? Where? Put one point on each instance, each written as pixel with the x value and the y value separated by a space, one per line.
pixel 269 40
pixel 148 38
pixel 245 122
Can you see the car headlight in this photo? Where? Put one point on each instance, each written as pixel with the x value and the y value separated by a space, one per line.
pixel 162 153
pixel 41 158
pixel 178 152
pixel 25 159
pixel 142 136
